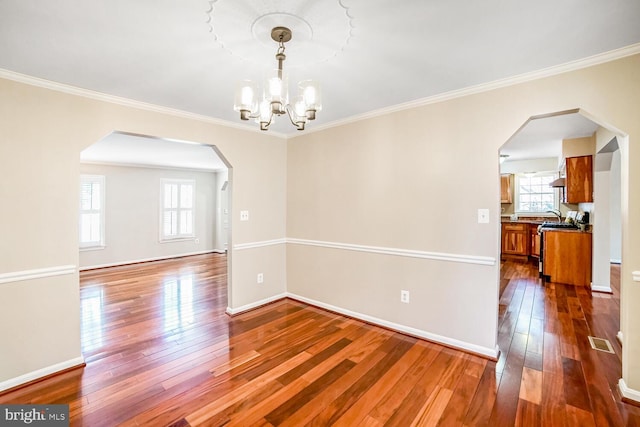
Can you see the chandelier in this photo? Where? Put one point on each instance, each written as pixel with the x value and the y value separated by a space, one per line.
pixel 275 96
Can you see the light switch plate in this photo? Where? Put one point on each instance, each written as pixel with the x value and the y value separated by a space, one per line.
pixel 483 216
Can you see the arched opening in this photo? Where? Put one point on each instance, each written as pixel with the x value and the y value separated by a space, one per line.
pixel 562 313
pixel 154 213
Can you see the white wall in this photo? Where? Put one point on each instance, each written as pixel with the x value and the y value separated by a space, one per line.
pixel 600 217
pixel 530 165
pixel 614 214
pixel 222 210
pixel 132 217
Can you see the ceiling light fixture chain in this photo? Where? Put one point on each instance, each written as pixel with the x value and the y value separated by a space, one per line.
pixel 275 97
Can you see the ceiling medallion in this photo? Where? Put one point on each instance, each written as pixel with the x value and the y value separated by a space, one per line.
pixel 275 98
pixel 322 28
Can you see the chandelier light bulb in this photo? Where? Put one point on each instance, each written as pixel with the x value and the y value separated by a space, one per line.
pixel 246 99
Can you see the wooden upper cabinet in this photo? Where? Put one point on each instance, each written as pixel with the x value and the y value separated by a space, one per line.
pixel 505 188
pixel 579 179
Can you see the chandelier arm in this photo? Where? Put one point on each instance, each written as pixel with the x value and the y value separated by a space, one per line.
pixel 290 112
pixel 265 125
pixel 252 116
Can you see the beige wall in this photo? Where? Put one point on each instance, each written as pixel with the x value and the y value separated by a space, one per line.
pixel 413 180
pixel 575 147
pixel 41 135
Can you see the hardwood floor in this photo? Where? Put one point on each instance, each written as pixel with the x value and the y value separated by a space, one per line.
pixel 161 351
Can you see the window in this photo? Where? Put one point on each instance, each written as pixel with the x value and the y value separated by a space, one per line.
pixel 176 217
pixel 533 193
pixel 91 223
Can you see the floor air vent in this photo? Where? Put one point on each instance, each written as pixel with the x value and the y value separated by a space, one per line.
pixel 601 344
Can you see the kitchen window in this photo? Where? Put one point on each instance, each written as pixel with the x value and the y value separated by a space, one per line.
pixel 533 193
pixel 176 216
pixel 91 221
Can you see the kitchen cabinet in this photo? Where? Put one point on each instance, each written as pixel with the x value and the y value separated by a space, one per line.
pixel 505 188
pixel 567 257
pixel 515 239
pixel 579 179
pixel 534 241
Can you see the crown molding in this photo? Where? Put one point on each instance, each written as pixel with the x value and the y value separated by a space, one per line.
pixel 126 102
pixel 446 96
pixel 590 61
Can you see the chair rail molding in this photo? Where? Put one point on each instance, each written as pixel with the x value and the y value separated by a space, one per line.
pixel 38 273
pixel 409 253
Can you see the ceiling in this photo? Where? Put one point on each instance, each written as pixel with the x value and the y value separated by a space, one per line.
pixel 137 150
pixel 367 54
pixel 542 138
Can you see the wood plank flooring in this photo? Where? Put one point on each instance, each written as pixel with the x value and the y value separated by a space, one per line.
pixel 161 351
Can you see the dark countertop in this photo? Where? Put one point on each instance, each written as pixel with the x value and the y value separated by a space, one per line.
pixel 565 230
pixel 539 222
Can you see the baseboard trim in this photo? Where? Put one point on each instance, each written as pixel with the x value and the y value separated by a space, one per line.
pixel 604 289
pixel 38 273
pixel 410 253
pixel 252 306
pixel 138 261
pixel 486 352
pixel 629 395
pixel 41 374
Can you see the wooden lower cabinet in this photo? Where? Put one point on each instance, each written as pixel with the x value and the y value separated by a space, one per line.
pixel 534 241
pixel 515 239
pixel 567 257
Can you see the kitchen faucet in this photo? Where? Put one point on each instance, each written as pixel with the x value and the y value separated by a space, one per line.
pixel 557 213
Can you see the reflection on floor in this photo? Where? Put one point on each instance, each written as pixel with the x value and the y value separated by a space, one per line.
pixel 160 350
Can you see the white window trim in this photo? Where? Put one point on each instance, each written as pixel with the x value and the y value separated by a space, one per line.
pixel 556 197
pixel 180 237
pixel 93 246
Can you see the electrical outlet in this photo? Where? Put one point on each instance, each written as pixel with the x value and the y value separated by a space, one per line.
pixel 483 216
pixel 244 215
pixel 404 297
pixel 260 278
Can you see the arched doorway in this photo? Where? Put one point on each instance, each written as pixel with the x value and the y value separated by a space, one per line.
pixel 152 200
